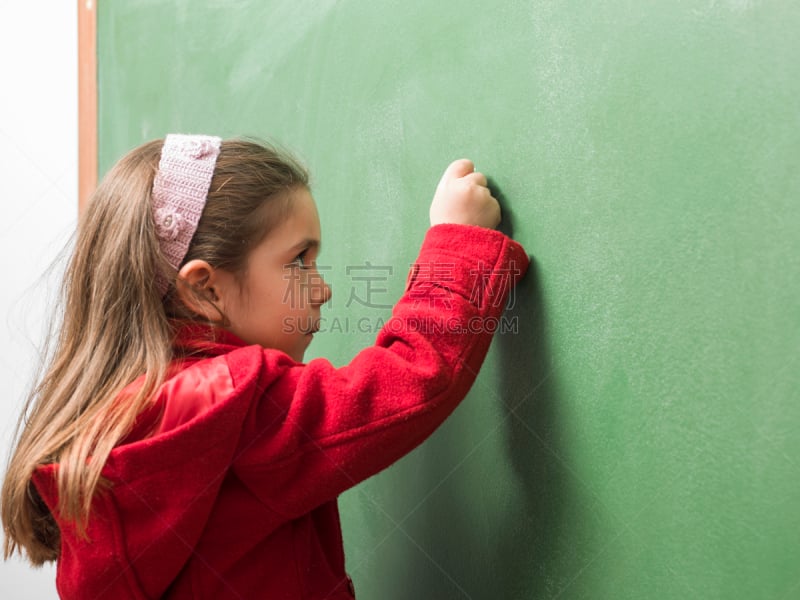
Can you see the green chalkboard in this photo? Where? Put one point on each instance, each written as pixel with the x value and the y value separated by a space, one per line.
pixel 638 435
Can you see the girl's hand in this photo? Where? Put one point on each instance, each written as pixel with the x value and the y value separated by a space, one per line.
pixel 463 197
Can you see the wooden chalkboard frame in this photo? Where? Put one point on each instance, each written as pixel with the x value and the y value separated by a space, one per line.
pixel 87 100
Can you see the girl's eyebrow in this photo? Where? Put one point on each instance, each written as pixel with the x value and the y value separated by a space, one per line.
pixel 306 243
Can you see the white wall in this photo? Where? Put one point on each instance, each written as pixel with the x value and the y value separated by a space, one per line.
pixel 38 198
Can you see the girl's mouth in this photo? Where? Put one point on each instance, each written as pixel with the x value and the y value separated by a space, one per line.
pixel 313 327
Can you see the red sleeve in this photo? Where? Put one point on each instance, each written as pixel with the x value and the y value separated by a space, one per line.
pixel 318 430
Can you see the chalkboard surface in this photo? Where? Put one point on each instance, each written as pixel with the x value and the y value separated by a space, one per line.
pixel 635 433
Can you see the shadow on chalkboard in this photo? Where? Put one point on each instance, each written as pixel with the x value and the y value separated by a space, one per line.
pixel 507 219
pixel 528 539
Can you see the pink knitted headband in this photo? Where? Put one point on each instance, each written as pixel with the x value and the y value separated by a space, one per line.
pixel 179 192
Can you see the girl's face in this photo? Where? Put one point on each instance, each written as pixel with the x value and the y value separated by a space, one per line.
pixel 278 304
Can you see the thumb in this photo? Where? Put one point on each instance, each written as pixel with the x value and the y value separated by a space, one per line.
pixel 458 168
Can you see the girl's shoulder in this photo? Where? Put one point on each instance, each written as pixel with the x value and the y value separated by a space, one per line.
pixel 196 386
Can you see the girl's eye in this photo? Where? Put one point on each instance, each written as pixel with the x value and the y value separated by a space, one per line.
pixel 300 260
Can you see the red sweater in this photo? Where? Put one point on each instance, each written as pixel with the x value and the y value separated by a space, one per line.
pixel 233 495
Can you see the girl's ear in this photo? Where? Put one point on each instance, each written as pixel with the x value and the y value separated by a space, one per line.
pixel 198 288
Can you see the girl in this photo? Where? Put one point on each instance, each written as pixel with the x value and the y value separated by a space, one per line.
pixel 177 446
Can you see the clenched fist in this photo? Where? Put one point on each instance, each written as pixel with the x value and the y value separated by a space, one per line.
pixel 463 197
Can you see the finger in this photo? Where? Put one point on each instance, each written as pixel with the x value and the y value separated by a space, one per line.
pixel 458 168
pixel 477 178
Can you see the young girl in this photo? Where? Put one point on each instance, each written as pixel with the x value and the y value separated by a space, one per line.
pixel 177 446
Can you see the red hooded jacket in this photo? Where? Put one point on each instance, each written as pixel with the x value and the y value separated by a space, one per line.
pixel 227 486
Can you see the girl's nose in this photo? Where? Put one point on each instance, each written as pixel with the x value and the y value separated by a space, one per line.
pixel 321 292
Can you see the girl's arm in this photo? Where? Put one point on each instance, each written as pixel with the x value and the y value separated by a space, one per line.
pixel 317 430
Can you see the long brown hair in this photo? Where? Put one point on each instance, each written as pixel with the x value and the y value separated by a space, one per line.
pixel 115 326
